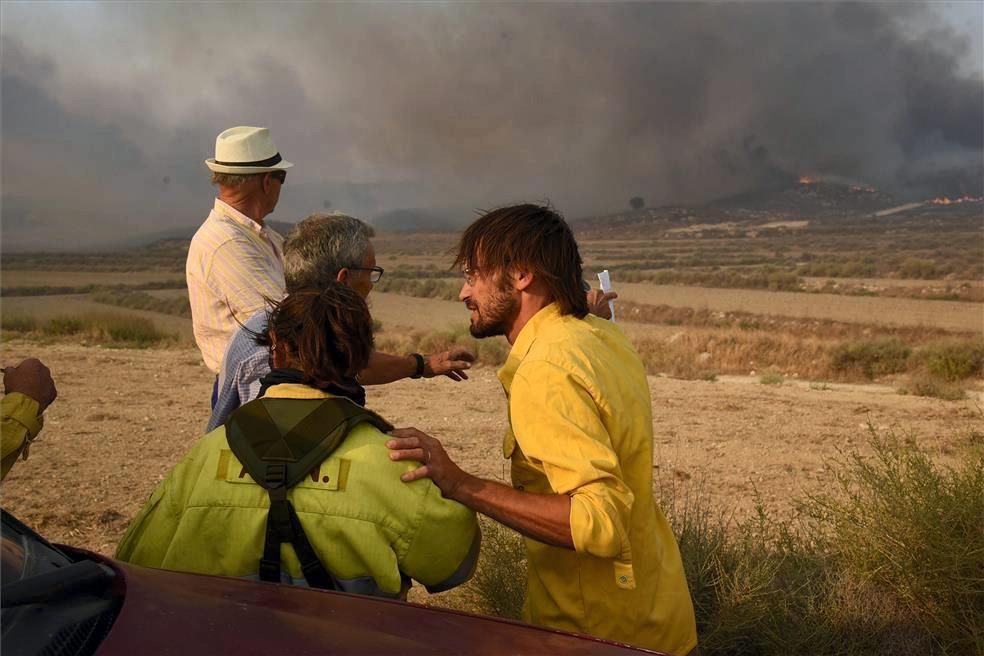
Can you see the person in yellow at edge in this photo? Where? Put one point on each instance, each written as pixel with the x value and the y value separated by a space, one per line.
pixel 28 391
pixel 602 557
pixel 370 532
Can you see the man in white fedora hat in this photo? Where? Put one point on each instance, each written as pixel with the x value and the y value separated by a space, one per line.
pixel 235 262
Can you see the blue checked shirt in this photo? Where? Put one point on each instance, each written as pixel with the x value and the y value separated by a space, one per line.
pixel 245 362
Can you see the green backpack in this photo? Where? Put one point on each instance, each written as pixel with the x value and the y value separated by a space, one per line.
pixel 279 442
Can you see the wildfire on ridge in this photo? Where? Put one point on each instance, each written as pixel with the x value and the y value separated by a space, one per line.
pixel 943 200
pixel 805 179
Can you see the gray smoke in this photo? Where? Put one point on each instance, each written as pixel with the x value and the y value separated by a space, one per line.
pixel 109 110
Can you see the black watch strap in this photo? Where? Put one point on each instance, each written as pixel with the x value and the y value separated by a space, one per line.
pixel 420 365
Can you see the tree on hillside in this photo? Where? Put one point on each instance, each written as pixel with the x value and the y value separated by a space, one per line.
pixel 637 203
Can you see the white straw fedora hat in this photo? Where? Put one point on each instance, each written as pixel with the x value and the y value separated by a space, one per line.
pixel 246 150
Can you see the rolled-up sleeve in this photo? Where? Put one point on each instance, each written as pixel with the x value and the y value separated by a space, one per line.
pixel 559 427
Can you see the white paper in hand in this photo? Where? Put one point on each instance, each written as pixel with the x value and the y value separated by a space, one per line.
pixel 606 286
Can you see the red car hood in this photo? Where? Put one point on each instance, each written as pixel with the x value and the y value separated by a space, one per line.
pixel 175 613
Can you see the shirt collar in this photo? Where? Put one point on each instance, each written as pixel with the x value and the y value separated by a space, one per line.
pixel 228 211
pixel 524 342
pixel 295 391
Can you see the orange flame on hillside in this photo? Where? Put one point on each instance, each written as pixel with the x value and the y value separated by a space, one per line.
pixel 943 200
pixel 805 179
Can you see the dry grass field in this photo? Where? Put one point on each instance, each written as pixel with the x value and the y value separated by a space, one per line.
pixel 12 279
pixel 759 397
pixel 124 417
pixel 76 305
pixel 949 315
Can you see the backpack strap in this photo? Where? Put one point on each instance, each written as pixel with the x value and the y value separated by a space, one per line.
pixel 279 441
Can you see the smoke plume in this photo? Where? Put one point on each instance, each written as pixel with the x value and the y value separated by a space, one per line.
pixel 109 110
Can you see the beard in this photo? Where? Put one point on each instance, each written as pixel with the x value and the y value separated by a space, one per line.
pixel 494 316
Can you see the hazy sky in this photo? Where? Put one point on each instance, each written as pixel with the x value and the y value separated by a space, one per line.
pixel 109 109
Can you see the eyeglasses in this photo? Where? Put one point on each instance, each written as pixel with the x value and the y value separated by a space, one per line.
pixel 469 276
pixel 280 175
pixel 374 276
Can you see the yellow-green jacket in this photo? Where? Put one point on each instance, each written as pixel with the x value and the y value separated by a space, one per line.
pixel 581 424
pixel 370 529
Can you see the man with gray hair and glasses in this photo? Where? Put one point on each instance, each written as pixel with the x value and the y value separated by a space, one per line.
pixel 322 249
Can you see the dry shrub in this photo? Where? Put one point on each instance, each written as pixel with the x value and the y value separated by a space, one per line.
pixel 772 378
pixel 920 384
pixel 952 360
pixel 826 329
pixel 110 329
pixel 870 358
pixel 691 353
pixel 910 530
pixel 443 289
pixel 888 562
pixel 489 351
pixel 499 585
pixel 140 300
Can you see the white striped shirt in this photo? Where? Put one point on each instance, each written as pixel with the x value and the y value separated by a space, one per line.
pixel 234 265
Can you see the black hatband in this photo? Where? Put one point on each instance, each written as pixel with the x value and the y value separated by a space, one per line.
pixel 269 161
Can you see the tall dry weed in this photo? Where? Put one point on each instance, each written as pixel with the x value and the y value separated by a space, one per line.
pixel 888 562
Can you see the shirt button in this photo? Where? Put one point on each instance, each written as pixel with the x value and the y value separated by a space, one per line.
pixel 520 488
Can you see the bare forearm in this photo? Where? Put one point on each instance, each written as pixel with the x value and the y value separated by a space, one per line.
pixel 543 517
pixel 384 368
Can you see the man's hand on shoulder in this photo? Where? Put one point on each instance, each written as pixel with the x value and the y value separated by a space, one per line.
pixel 412 444
pixel 31 378
pixel 451 363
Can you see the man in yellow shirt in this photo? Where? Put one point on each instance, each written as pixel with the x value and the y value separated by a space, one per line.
pixel 28 391
pixel 602 557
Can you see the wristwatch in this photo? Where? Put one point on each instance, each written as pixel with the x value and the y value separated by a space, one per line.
pixel 420 365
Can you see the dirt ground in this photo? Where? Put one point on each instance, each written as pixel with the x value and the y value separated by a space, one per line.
pixel 124 417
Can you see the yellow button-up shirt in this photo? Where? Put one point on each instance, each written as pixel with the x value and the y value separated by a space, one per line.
pixel 21 424
pixel 233 266
pixel 581 424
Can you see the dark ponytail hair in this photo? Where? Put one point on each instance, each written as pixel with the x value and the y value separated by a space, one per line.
pixel 327 332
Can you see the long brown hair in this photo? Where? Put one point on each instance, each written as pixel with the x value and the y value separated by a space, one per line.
pixel 528 237
pixel 327 332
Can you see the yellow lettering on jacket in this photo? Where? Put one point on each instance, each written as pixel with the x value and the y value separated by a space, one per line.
pixel 326 476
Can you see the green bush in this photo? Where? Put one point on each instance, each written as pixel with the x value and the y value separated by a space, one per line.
pixel 871 358
pixel 771 378
pixel 953 361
